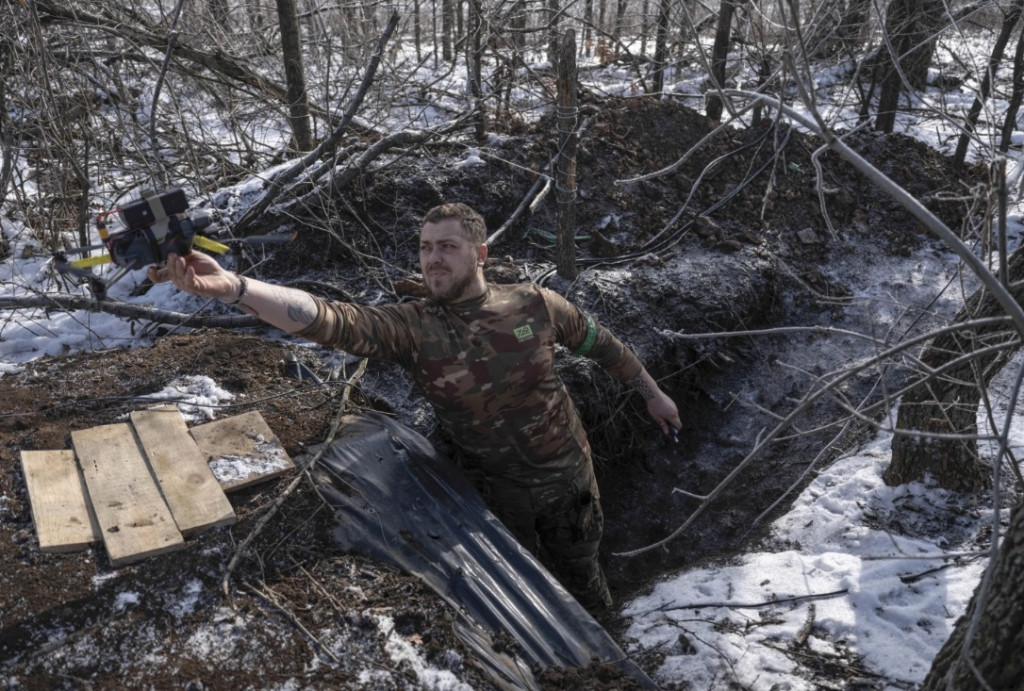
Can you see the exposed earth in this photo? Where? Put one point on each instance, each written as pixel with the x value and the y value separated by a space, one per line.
pixel 302 614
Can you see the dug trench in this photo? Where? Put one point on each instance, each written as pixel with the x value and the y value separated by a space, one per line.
pixel 768 254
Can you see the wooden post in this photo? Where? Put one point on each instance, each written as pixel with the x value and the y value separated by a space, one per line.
pixel 565 176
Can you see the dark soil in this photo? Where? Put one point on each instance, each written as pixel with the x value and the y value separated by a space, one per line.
pixel 298 609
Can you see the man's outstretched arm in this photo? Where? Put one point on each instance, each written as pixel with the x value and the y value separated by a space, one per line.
pixel 197 273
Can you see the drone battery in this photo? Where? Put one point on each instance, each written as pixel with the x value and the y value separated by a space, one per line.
pixel 153 208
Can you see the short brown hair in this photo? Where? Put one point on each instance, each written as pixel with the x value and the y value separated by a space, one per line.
pixel 473 224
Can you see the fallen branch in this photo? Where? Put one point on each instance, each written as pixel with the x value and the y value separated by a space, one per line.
pixel 303 469
pixel 393 141
pixel 915 577
pixel 127 310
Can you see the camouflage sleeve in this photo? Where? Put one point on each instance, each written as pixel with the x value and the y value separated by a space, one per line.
pixel 385 332
pixel 583 335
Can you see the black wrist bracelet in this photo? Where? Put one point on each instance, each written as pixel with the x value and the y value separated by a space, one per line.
pixel 241 291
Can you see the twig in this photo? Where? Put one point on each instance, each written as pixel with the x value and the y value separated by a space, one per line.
pixel 541 179
pixel 749 605
pixel 676 490
pixel 915 577
pixel 268 595
pixel 272 511
pixel 779 330
pixel 801 636
pixel 672 167
pixel 834 659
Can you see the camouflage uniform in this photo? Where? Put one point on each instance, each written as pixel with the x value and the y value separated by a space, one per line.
pixel 487 367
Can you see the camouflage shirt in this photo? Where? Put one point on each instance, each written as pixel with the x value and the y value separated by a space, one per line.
pixel 487 367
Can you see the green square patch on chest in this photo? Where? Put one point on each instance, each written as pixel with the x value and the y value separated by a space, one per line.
pixel 523 333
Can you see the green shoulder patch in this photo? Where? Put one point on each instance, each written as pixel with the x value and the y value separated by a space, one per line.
pixel 523 333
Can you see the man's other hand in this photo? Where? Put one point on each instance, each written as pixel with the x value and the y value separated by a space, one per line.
pixel 663 411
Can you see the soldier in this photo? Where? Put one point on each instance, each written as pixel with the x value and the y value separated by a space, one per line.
pixel 483 355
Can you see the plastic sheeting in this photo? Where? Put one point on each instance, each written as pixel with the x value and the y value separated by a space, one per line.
pixel 397 500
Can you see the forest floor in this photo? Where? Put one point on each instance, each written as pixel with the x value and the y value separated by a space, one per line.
pixel 302 614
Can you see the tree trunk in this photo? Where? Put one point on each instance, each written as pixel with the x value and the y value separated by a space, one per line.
pixel 1010 22
pixel 417 30
pixel 474 57
pixel 947 403
pixel 840 28
pixel 588 23
pixel 644 27
pixel 995 647
pixel 554 13
pixel 221 14
pixel 853 26
pixel 1017 93
pixel 517 23
pixel 460 24
pixel 447 15
pixel 719 53
pixel 295 76
pixel 620 16
pixel 661 46
pixel 565 180
pixel 9 143
pixel 910 27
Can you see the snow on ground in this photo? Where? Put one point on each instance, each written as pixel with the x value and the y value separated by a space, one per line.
pixel 835 575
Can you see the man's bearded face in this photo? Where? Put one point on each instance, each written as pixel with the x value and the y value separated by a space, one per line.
pixel 449 260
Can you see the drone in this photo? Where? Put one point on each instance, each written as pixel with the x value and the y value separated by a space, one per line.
pixel 155 226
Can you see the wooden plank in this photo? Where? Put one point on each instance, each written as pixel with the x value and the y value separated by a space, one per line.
pixel 133 517
pixel 189 487
pixel 242 450
pixel 60 503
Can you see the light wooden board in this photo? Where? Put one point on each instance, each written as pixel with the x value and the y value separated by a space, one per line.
pixel 60 504
pixel 189 487
pixel 133 517
pixel 242 450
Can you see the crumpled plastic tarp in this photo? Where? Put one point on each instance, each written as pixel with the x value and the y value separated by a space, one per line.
pixel 397 500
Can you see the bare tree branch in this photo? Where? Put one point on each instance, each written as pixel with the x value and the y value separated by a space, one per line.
pixel 127 310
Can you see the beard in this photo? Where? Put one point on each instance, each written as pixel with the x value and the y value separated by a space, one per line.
pixel 452 293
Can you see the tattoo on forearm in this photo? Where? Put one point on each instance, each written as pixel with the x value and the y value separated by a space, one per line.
pixel 302 314
pixel 640 385
pixel 299 307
